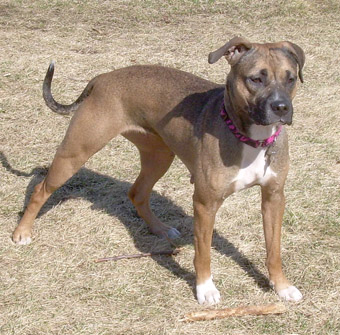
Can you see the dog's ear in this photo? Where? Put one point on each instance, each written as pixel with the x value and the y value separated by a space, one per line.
pixel 232 50
pixel 297 54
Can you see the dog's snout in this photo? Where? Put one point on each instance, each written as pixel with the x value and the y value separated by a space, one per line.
pixel 280 107
pixel 276 107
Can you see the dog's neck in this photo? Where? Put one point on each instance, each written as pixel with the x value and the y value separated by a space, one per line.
pixel 257 136
pixel 258 132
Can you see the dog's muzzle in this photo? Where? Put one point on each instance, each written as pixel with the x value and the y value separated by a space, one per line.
pixel 276 108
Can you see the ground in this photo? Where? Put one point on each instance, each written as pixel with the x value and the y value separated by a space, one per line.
pixel 53 286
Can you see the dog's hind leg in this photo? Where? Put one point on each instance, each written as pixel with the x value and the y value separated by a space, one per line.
pixel 156 158
pixel 90 129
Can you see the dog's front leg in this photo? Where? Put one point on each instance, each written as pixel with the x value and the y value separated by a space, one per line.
pixel 204 212
pixel 273 204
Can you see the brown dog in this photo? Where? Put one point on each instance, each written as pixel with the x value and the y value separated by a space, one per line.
pixel 230 138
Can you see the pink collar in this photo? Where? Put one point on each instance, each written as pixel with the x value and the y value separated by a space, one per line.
pixel 247 140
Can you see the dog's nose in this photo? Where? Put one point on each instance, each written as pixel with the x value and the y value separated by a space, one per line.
pixel 280 107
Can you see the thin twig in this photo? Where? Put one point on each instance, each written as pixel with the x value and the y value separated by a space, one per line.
pixel 147 254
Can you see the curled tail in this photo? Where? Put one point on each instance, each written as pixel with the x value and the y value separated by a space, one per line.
pixel 55 106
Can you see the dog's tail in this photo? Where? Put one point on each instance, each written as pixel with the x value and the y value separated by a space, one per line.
pixel 55 106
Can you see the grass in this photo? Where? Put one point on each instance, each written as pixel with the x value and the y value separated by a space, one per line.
pixel 53 285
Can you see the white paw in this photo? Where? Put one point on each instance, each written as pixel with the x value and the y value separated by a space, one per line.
pixel 21 237
pixel 24 241
pixel 173 233
pixel 207 293
pixel 291 293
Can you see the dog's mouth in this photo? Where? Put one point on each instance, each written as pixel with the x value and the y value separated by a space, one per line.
pixel 258 116
pixel 265 115
pixel 265 122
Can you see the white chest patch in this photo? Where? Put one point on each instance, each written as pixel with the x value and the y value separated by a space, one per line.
pixel 254 166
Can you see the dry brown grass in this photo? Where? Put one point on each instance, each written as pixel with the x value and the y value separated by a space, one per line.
pixel 53 286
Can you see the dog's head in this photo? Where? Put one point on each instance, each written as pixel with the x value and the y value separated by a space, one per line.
pixel 262 80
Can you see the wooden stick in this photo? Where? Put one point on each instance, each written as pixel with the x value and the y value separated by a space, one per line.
pixel 148 254
pixel 211 314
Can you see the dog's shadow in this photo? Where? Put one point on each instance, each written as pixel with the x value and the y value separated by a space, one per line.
pixel 110 195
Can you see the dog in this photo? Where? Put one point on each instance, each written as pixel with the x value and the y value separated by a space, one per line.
pixel 230 137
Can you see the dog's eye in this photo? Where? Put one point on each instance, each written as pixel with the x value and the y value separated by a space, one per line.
pixel 291 80
pixel 256 80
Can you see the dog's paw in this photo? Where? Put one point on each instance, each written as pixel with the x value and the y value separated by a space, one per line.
pixel 173 233
pixel 291 293
pixel 207 293
pixel 22 237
